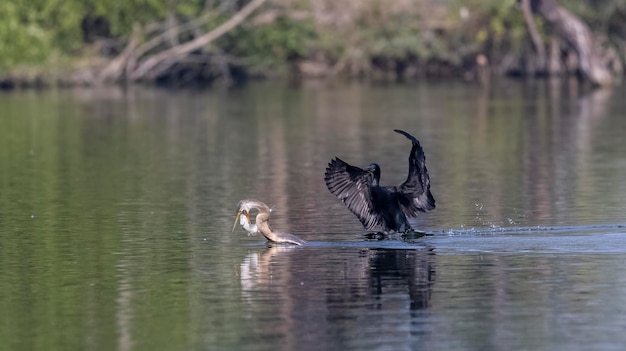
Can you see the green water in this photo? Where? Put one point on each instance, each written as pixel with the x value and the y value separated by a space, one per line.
pixel 116 208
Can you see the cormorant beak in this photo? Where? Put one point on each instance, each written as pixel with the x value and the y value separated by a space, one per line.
pixel 237 218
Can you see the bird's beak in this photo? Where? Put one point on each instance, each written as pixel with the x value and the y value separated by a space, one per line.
pixel 236 218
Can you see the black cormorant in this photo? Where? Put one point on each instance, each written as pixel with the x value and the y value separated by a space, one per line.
pixel 386 206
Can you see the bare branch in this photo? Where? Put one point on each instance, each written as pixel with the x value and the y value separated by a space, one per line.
pixel 114 69
pixel 163 60
pixel 161 38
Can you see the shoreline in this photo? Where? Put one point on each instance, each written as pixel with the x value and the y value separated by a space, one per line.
pixel 45 78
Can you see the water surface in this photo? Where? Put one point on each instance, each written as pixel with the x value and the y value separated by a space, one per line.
pixel 116 208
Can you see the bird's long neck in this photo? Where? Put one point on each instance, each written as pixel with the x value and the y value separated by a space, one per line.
pixel 264 228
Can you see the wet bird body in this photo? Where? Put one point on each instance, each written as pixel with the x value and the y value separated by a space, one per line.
pixel 387 206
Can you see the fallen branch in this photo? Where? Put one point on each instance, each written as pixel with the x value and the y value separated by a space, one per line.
pixel 156 64
pixel 113 71
pixel 163 37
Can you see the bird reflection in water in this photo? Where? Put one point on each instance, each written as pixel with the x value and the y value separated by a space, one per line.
pixel 261 224
pixel 387 206
pixel 340 288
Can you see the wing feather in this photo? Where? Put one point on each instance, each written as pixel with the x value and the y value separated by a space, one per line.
pixel 352 186
pixel 414 193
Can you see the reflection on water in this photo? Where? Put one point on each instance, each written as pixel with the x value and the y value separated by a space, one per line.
pixel 116 208
pixel 325 304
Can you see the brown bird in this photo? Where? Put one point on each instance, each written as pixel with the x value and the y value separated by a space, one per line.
pixel 261 224
pixel 387 206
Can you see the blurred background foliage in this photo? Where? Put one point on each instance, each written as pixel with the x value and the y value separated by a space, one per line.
pixel 358 37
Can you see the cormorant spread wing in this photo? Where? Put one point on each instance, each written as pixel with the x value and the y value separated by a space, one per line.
pixel 352 186
pixel 415 191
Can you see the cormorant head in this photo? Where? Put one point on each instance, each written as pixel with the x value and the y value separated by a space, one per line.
pixel 374 168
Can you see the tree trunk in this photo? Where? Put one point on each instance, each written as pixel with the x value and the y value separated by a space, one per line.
pixel 578 36
pixel 554 61
pixel 534 35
